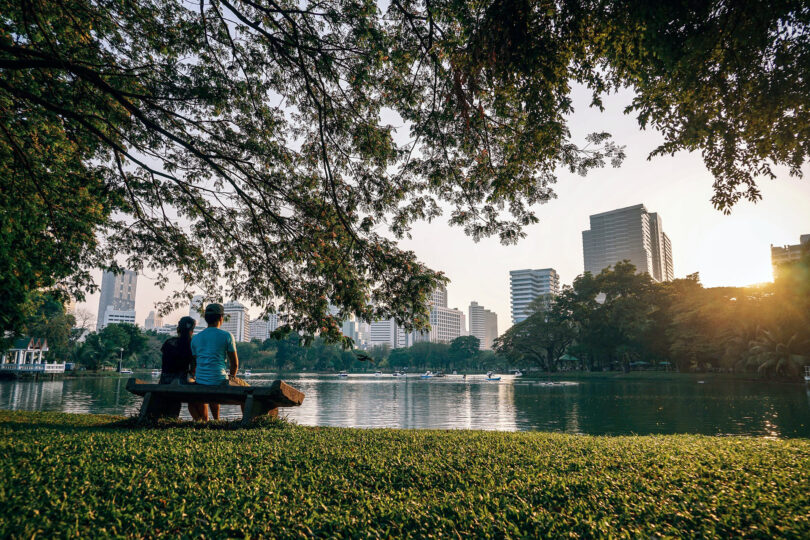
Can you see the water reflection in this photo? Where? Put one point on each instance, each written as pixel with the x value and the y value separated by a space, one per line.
pixel 585 406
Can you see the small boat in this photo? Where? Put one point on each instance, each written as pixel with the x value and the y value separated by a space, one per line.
pixel 343 374
pixel 155 373
pixel 397 374
pixel 492 377
pixel 455 372
pixel 439 374
pixel 126 372
pixel 248 373
pixel 518 373
pixel 378 373
pixel 427 375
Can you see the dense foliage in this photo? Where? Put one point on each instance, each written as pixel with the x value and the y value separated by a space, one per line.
pixel 71 475
pixel 619 318
pixel 266 143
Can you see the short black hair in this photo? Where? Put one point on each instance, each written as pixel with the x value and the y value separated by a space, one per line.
pixel 212 318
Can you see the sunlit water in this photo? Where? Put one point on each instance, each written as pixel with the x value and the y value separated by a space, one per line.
pixel 580 405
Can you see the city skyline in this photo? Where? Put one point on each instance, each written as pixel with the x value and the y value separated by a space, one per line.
pixel 729 250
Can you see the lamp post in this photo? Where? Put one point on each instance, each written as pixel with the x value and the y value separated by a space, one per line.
pixel 120 359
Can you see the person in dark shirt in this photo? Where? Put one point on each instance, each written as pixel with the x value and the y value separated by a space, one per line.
pixel 176 364
pixel 176 353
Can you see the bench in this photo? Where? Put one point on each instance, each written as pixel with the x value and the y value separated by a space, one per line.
pixel 163 400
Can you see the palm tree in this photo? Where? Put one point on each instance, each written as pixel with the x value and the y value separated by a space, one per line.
pixel 777 354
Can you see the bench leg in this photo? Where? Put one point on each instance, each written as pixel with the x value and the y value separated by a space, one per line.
pixel 247 414
pixel 147 400
pixel 255 408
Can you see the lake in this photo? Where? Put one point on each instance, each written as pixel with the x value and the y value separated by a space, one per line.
pixel 579 404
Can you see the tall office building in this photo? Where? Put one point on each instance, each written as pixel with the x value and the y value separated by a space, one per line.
pixel 153 321
pixel 236 321
pixel 446 324
pixel 387 332
pixel 629 233
pixel 117 301
pixel 439 297
pixel 483 325
pixel 261 328
pixel 526 285
pixel 196 309
pixel 786 255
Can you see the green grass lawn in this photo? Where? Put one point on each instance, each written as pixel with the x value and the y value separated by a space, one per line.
pixel 84 475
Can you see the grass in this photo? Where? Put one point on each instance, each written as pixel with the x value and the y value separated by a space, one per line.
pixel 84 475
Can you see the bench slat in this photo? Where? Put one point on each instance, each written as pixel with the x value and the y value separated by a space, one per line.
pixel 282 394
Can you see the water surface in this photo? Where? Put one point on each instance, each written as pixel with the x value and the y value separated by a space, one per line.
pixel 581 405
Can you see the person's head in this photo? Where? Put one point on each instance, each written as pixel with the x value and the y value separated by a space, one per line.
pixel 214 313
pixel 185 328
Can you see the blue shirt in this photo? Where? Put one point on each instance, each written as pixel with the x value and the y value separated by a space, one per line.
pixel 211 348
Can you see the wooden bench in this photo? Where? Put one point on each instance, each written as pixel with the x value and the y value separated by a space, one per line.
pixel 163 400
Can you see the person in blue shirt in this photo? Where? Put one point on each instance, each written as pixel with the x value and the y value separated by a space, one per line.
pixel 214 359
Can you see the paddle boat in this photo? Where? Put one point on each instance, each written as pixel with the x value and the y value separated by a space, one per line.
pixel 125 371
pixel 378 373
pixel 155 373
pixel 427 375
pixel 518 373
pixel 343 374
pixel 492 377
pixel 397 374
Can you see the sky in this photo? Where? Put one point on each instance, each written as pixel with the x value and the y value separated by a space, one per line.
pixel 729 250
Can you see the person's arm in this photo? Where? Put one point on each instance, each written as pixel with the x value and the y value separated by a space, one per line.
pixel 233 360
pixel 192 368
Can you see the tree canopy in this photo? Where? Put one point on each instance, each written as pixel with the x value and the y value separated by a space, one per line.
pixel 271 143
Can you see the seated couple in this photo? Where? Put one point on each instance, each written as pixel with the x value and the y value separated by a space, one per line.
pixel 209 357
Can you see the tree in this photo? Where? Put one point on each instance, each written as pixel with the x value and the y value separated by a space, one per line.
pixel 49 321
pixel 245 140
pixel 400 358
pixel 780 355
pixel 462 351
pixel 541 339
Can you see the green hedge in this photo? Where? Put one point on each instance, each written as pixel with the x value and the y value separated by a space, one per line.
pixel 83 475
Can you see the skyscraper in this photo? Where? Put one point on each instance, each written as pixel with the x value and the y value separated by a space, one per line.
pixel 262 328
pixel 387 332
pixel 153 321
pixel 236 321
pixel 629 233
pixel 483 325
pixel 526 285
pixel 117 301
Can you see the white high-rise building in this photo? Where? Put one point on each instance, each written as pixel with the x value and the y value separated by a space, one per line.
pixel 153 321
pixel 261 328
pixel 196 309
pixel 483 325
pixel 117 316
pixel 387 332
pixel 438 297
pixel 630 233
pixel 236 321
pixel 526 285
pixel 118 298
pixel 446 324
